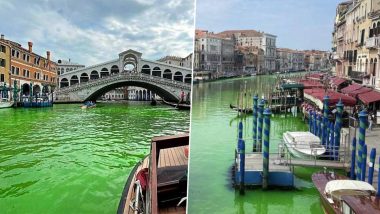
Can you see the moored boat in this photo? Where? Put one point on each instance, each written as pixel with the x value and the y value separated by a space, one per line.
pixel 303 144
pixel 179 106
pixel 158 184
pixel 343 196
pixel 5 103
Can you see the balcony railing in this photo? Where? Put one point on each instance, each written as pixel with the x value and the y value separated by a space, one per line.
pixel 356 75
pixel 373 42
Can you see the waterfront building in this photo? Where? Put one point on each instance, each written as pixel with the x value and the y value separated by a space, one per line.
pixel 178 61
pixel 140 94
pixel 356 41
pixel 253 38
pixel 316 60
pixel 249 59
pixel 27 67
pixel 66 66
pixel 5 62
pixel 116 94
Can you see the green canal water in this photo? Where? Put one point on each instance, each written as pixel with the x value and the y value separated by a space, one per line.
pixel 213 140
pixel 67 160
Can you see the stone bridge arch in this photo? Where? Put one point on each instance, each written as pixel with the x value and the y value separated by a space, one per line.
pixel 160 91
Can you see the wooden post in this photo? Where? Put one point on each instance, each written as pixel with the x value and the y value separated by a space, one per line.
pixel 267 114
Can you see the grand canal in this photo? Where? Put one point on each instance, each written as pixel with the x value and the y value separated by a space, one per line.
pixel 67 160
pixel 213 139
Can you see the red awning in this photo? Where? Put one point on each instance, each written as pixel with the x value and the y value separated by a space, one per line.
pixel 359 91
pixel 338 81
pixel 369 97
pixel 333 95
pixel 351 88
pixel 316 76
pixel 311 84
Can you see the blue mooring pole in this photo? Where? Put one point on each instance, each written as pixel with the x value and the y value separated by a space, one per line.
pixel 310 122
pixel 372 158
pixel 378 182
pixel 325 117
pixel 332 145
pixel 338 127
pixel 353 155
pixel 314 123
pixel 241 148
pixel 254 136
pixel 364 161
pixel 240 130
pixel 267 114
pixel 319 126
pixel 362 128
pixel 260 126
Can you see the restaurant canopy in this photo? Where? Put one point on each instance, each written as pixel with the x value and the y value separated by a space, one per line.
pixel 351 88
pixel 337 81
pixel 359 91
pixel 369 97
pixel 316 96
pixel 311 84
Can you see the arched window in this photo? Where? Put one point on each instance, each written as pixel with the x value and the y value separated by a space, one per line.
pixel 74 80
pixel 94 75
pixel 145 69
pixel 84 77
pixel 178 76
pixel 188 78
pixel 114 69
pixel 156 71
pixel 168 74
pixel 64 83
pixel 104 72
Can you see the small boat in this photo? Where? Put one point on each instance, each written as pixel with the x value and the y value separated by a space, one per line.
pixel 88 104
pixel 158 183
pixel 303 144
pixel 153 102
pixel 5 103
pixel 340 195
pixel 179 106
pixel 246 111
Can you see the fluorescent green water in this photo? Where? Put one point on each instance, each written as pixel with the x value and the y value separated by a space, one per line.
pixel 213 139
pixel 67 160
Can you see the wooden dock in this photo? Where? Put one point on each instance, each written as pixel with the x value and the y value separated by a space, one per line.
pixel 254 162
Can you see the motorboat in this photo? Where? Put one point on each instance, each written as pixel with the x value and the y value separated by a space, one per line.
pixel 158 183
pixel 341 195
pixel 88 104
pixel 303 144
pixel 5 103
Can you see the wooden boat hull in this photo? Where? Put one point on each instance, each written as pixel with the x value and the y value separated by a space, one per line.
pixel 179 106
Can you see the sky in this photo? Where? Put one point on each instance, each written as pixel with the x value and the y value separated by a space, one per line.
pixel 298 24
pixel 94 31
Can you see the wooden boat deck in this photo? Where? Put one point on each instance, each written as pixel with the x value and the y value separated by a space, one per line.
pixel 172 157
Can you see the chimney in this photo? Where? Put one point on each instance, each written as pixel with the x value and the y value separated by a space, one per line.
pixel 48 55
pixel 30 44
pixel 2 36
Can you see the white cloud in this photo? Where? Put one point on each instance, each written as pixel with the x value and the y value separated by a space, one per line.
pixel 156 30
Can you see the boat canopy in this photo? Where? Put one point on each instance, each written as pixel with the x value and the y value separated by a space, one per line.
pixel 303 137
pixel 339 188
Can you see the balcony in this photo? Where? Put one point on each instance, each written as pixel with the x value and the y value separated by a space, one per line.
pixel 356 75
pixel 373 42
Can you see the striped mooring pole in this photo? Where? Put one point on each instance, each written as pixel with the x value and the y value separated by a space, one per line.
pixel 331 140
pixel 260 126
pixel 241 149
pixel 254 136
pixel 353 155
pixel 338 127
pixel 364 162
pixel 317 123
pixel 362 127
pixel 325 121
pixel 267 114
pixel 372 158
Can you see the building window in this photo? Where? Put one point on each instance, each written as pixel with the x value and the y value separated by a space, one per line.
pixel 2 62
pixel 24 72
pixel 2 78
pixel 2 48
pixel 13 52
pixel 17 71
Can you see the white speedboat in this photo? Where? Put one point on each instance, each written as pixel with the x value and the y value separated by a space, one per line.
pixel 303 144
pixel 5 103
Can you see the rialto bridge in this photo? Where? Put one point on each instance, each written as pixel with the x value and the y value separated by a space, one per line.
pixel 166 80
